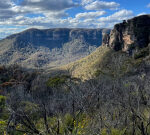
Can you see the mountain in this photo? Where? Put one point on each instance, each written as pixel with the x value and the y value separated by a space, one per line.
pixel 106 93
pixel 124 51
pixel 36 48
pixel 130 35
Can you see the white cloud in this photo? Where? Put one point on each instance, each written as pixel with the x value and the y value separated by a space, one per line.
pixel 10 30
pixel 5 4
pixel 53 13
pixel 50 5
pixel 85 20
pixel 101 5
pixel 143 13
pixel 148 5
pixel 6 9
pixel 53 8
pixel 116 17
pixel 120 15
pixel 87 15
pixel 85 2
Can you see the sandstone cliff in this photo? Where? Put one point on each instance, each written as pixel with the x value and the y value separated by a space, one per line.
pixel 36 48
pixel 56 37
pixel 129 35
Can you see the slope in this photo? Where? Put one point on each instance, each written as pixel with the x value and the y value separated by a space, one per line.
pixel 124 51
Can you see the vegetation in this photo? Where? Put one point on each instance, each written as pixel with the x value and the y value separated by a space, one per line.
pixel 115 102
pixel 142 53
pixel 85 68
pixel 105 61
pixel 57 80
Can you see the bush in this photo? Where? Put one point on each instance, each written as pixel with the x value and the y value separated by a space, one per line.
pixel 3 125
pixel 2 103
pixel 113 131
pixel 57 81
pixel 142 53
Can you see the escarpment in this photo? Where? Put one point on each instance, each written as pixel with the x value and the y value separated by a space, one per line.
pixel 37 48
pixel 129 35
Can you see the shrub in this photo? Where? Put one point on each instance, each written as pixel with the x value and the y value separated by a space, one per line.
pixel 57 80
pixel 3 125
pixel 2 103
pixel 142 53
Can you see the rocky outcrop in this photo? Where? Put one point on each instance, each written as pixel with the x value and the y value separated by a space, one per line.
pixel 131 34
pixel 105 39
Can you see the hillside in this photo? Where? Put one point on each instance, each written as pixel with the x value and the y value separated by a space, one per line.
pixel 105 61
pixel 122 51
pixel 105 93
pixel 36 48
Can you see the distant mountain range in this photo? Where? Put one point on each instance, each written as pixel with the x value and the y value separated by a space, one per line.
pixel 36 48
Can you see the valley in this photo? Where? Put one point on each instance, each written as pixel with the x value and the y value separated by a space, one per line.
pixel 77 81
pixel 35 48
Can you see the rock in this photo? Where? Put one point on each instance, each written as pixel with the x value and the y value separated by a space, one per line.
pixel 105 39
pixel 56 37
pixel 131 34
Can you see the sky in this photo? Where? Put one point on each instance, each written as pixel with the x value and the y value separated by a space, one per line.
pixel 18 15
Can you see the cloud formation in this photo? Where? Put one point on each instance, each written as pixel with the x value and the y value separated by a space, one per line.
pixel 55 8
pixel 85 2
pixel 49 5
pixel 101 5
pixel 87 15
pixel 148 5
pixel 18 15
pixel 117 16
pixel 6 9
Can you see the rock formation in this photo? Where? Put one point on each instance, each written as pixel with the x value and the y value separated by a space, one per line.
pixel 56 37
pixel 50 47
pixel 131 34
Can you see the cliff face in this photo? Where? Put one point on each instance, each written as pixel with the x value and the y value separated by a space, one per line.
pixel 49 48
pixel 131 34
pixel 56 37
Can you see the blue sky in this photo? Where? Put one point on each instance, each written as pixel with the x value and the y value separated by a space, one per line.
pixel 18 15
